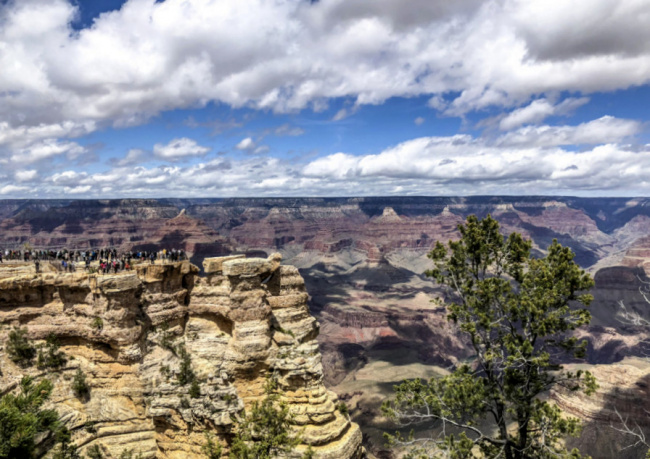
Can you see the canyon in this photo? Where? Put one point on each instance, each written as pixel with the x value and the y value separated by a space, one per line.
pixel 362 261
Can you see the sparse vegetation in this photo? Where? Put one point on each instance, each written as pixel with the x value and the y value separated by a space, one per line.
pixel 98 323
pixel 65 449
pixel 19 349
pixel 89 426
pixel 343 408
pixel 265 431
pixel 95 452
pixel 195 389
pixel 185 374
pixel 165 371
pixel 129 454
pixel 287 332
pixel 51 357
pixel 211 449
pixel 79 385
pixel 167 338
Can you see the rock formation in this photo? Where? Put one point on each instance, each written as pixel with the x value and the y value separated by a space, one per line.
pixel 622 395
pixel 130 333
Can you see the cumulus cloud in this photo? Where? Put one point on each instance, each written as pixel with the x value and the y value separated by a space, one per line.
pixel 453 162
pixel 13 190
pixel 153 56
pixel 177 149
pixel 607 129
pixel 47 149
pixel 245 144
pixel 458 164
pixel 26 176
pixel 57 85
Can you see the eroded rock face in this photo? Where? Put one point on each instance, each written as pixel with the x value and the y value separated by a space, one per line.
pixel 622 395
pixel 245 321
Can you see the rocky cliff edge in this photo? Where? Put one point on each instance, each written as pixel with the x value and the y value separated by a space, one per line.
pixel 246 320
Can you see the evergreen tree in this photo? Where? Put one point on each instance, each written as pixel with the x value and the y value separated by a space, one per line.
pixel 518 313
pixel 19 349
pixel 265 431
pixel 22 419
pixel 80 386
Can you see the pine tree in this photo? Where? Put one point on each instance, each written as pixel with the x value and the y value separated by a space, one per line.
pixel 518 312
pixel 22 419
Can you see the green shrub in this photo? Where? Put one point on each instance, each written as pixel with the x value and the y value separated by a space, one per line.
pixel 128 454
pixel 165 371
pixel 98 323
pixel 211 449
pixel 66 449
pixel 343 408
pixel 52 357
pixel 19 349
pixel 166 338
pixel 195 389
pixel 79 385
pixel 185 374
pixel 95 452
pixel 265 431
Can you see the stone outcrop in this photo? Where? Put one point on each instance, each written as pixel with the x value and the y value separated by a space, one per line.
pixel 245 321
pixel 622 395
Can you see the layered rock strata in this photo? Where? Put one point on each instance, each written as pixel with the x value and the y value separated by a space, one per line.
pixel 130 333
pixel 621 400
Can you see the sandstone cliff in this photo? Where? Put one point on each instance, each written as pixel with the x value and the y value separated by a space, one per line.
pixel 246 320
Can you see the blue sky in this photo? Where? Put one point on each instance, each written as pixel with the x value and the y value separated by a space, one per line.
pixel 145 98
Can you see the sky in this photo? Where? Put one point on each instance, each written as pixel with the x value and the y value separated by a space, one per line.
pixel 239 98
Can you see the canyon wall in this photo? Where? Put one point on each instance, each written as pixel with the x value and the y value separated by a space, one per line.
pixel 245 321
pixel 362 260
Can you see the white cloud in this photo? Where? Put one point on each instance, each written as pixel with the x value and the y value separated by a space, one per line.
pixel 538 110
pixel 603 130
pixel 419 121
pixel 57 84
pixel 459 164
pixel 153 56
pixel 26 176
pixel 177 149
pixel 449 163
pixel 77 189
pixel 47 149
pixel 133 156
pixel 245 144
pixel 13 189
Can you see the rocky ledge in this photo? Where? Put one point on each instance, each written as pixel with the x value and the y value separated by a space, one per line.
pixel 246 320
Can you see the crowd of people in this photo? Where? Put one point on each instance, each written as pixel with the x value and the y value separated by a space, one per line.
pixel 109 259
